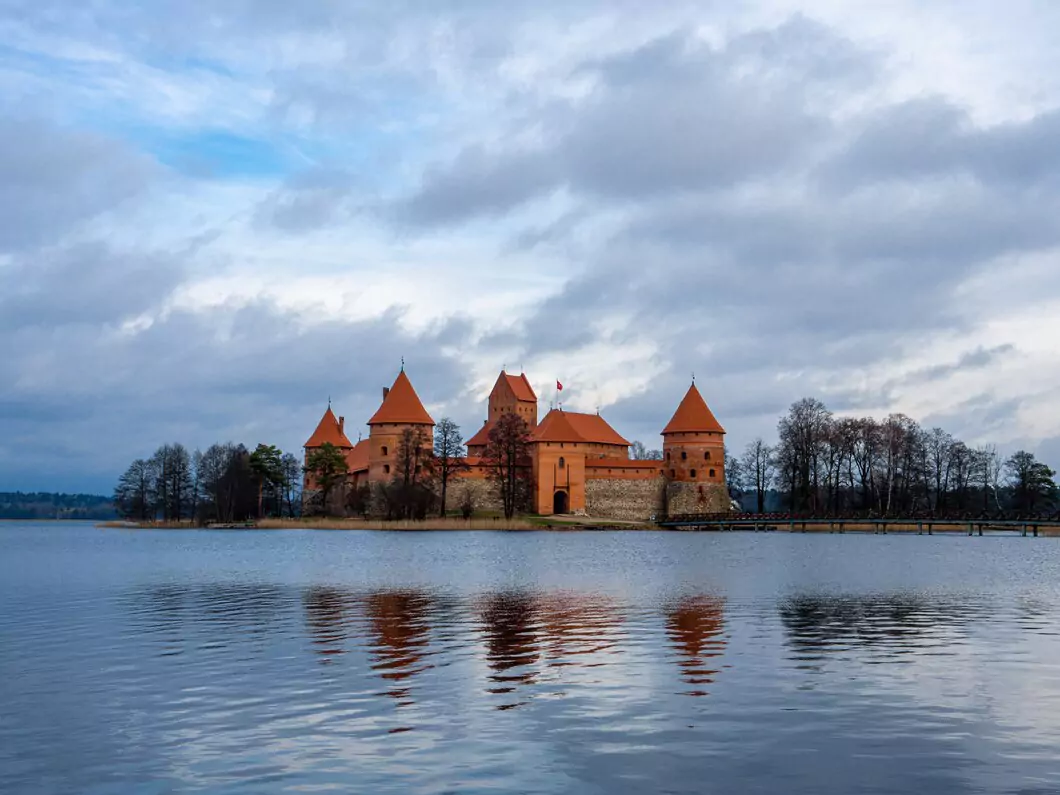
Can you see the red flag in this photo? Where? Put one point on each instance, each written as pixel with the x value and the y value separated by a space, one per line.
pixel 559 386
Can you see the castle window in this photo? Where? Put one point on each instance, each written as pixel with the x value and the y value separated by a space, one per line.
pixel 684 455
pixel 386 469
pixel 562 463
pixel 692 473
pixel 673 474
pixel 667 455
pixel 706 455
pixel 384 450
pixel 712 473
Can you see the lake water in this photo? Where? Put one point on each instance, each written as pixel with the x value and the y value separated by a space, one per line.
pixel 298 661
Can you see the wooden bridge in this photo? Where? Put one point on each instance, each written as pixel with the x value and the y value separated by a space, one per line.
pixel 791 523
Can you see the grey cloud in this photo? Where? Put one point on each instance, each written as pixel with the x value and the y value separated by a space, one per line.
pixel 88 283
pixel 673 115
pixel 312 199
pixel 51 179
pixel 933 138
pixel 245 373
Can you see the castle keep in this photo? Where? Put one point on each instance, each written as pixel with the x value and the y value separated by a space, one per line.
pixel 579 463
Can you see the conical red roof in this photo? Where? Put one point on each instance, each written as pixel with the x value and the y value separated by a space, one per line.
pixel 693 416
pixel 328 430
pixel 402 405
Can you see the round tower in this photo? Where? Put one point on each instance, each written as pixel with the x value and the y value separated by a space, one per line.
pixel 694 443
pixel 400 411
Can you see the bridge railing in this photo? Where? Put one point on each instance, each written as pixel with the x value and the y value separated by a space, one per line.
pixel 854 516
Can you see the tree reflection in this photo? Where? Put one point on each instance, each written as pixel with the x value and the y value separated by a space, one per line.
pixel 696 625
pixel 821 625
pixel 328 615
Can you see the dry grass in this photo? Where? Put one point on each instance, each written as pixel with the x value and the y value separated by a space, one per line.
pixel 369 524
pixel 160 525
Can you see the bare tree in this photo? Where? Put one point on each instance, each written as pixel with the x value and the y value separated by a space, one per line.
pixel 449 455
pixel 508 460
pixel 638 452
pixel 759 467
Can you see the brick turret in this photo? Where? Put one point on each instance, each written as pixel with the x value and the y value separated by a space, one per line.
pixel 401 410
pixel 694 442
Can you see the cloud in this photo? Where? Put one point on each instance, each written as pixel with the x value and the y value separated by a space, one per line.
pixel 217 216
pixel 52 179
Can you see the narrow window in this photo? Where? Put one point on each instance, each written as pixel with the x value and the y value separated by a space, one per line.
pixel 706 455
pixel 386 469
pixel 692 473
pixel 673 474
pixel 667 455
pixel 712 473
pixel 562 463
pixel 684 455
pixel 384 450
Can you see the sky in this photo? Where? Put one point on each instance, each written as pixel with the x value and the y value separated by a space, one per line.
pixel 217 216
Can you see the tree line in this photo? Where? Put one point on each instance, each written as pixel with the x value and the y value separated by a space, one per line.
pixel 48 505
pixel 423 473
pixel 827 465
pixel 225 483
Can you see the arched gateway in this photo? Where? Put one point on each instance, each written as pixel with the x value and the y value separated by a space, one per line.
pixel 560 503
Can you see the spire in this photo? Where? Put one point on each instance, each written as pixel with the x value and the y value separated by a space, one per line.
pixel 693 415
pixel 402 405
pixel 329 430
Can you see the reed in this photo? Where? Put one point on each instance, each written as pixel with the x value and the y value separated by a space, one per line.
pixel 424 524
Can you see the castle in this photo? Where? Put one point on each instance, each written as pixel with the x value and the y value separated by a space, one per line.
pixel 580 464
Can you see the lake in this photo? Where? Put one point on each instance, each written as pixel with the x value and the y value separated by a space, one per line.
pixel 582 662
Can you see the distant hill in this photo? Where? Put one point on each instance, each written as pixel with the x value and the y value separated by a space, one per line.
pixel 42 505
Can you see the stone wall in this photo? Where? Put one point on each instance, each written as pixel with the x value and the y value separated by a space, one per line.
pixel 484 494
pixel 697 498
pixel 635 500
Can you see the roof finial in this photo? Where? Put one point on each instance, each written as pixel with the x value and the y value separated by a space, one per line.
pixel 504 367
pixel 693 377
pixel 329 401
pixel 402 364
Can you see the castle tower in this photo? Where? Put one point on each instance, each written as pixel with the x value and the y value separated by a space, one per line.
pixel 400 411
pixel 329 430
pixel 694 442
pixel 512 394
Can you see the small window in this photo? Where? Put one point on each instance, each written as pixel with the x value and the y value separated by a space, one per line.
pixel 692 473
pixel 667 455
pixel 673 474
pixel 384 450
pixel 712 473
pixel 562 463
pixel 706 455
pixel 386 469
pixel 684 455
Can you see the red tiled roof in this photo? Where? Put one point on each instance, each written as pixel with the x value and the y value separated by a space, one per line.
pixel 328 431
pixel 481 437
pixel 571 426
pixel 520 386
pixel 402 405
pixel 693 416
pixel 357 458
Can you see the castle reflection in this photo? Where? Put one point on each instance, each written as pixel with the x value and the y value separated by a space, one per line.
pixel 696 626
pixel 399 623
